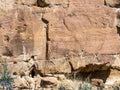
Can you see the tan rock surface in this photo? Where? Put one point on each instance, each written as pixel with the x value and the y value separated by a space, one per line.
pixel 54 66
pixel 49 82
pixel 26 31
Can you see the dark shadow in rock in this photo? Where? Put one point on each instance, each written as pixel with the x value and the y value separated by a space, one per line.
pixel 99 74
pixel 34 72
pixel 44 84
pixel 6 51
pixel 14 73
pixel 102 74
pixel 105 2
pixel 42 3
pixel 118 30
pixel 6 38
pixel 14 62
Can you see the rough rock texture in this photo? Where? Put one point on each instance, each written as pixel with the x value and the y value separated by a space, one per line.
pixel 113 3
pixel 41 37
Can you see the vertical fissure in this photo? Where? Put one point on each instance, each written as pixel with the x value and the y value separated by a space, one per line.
pixel 105 3
pixel 118 23
pixel 118 30
pixel 47 36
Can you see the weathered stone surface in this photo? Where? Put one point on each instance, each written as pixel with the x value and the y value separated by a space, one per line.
pixel 41 37
pixel 69 31
pixel 18 68
pixel 26 2
pixel 113 77
pixel 6 5
pixel 20 83
pixel 68 26
pixel 25 31
pixel 60 77
pixel 91 62
pixel 97 82
pixel 68 84
pixel 77 62
pixel 49 82
pixel 53 66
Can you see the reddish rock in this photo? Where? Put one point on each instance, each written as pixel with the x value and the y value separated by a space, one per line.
pixel 91 30
pixel 25 31
pixel 71 29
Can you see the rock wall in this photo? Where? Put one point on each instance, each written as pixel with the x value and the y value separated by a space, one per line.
pixel 40 37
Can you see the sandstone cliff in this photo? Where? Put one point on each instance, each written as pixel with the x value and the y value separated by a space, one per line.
pixel 42 37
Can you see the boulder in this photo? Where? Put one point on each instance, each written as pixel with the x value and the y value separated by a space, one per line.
pixel 49 82
pixel 20 83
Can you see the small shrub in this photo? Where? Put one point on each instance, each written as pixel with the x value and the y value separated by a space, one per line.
pixel 61 87
pixel 101 87
pixel 86 85
pixel 6 80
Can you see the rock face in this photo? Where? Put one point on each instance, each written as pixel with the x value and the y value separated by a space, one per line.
pixel 55 31
pixel 41 37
